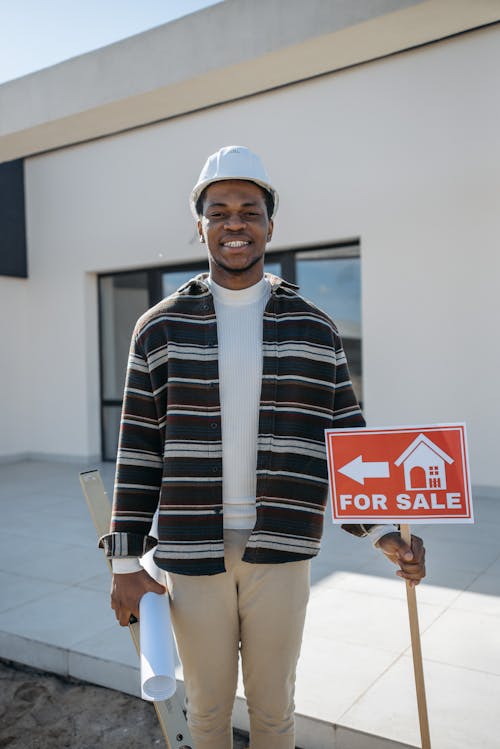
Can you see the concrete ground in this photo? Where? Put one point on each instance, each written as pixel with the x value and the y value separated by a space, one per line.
pixel 355 687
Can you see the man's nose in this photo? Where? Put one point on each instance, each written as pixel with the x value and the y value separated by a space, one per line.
pixel 234 222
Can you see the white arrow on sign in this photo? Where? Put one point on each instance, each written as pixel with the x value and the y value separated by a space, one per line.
pixel 359 471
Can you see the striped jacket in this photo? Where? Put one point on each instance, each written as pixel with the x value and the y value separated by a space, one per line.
pixel 170 438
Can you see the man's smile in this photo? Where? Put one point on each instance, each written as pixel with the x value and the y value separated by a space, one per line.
pixel 237 243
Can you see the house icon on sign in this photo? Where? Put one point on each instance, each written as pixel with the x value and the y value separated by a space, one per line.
pixel 424 464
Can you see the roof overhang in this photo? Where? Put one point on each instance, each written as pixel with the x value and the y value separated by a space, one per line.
pixel 225 52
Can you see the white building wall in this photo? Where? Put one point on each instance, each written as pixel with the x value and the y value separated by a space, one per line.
pixel 14 377
pixel 403 153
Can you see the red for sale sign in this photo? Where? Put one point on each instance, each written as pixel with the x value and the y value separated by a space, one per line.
pixel 415 474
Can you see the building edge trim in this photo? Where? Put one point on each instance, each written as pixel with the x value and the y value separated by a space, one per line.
pixel 27 153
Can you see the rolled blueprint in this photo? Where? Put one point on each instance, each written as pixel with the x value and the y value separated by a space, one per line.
pixel 157 648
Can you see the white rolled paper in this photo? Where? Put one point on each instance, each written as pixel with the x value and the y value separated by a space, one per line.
pixel 157 648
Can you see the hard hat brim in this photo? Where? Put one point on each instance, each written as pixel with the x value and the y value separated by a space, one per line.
pixel 198 189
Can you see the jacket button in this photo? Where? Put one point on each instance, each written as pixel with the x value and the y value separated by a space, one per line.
pixel 214 425
pixel 215 469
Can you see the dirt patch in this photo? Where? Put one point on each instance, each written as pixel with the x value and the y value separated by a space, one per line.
pixel 44 711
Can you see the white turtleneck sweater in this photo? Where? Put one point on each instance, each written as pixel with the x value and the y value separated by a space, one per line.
pixel 239 330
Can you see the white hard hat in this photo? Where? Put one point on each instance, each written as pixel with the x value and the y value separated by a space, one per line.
pixel 232 162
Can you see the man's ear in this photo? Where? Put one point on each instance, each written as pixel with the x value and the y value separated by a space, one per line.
pixel 200 230
pixel 270 230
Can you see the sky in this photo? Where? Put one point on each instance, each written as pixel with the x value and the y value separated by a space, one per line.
pixel 37 33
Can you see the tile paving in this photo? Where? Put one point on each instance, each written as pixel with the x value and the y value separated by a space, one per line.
pixel 355 686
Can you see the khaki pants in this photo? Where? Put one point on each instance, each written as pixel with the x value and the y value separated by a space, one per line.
pixel 255 609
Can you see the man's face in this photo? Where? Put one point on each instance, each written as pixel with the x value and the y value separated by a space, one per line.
pixel 235 227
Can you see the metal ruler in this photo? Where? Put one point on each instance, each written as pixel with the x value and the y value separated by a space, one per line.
pixel 169 712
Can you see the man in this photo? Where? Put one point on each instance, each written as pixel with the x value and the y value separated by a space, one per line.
pixel 230 385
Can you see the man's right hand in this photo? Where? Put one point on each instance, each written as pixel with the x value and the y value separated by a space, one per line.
pixel 127 591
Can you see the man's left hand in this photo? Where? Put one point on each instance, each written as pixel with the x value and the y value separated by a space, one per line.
pixel 411 560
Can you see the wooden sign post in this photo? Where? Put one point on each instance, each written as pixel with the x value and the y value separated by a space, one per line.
pixel 401 475
pixel 416 649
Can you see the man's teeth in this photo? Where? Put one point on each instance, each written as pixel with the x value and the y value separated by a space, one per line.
pixel 235 244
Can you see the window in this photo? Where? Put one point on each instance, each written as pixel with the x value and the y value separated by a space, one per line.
pixel 332 281
pixel 434 480
pixel 329 277
pixel 123 297
pixel 13 254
